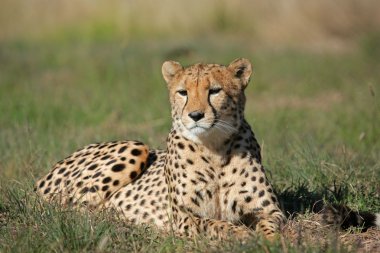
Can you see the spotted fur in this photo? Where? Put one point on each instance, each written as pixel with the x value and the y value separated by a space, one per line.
pixel 208 180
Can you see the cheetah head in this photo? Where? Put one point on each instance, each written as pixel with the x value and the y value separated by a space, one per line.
pixel 207 100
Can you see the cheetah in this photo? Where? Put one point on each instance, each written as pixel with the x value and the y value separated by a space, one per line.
pixel 209 180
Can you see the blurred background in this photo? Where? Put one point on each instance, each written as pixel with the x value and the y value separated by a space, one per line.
pixel 73 73
pixel 313 25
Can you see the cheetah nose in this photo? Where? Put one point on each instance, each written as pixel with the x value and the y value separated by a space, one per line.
pixel 196 115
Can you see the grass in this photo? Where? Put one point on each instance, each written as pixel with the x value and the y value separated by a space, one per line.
pixel 316 116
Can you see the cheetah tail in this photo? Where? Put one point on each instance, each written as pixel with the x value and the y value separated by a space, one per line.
pixel 345 217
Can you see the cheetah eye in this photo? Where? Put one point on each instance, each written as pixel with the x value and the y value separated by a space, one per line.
pixel 182 92
pixel 214 91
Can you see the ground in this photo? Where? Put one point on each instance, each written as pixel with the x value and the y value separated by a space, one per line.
pixel 315 115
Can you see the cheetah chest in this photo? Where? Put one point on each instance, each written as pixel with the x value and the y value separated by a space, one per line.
pixel 203 188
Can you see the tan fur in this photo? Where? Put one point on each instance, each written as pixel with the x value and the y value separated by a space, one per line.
pixel 208 180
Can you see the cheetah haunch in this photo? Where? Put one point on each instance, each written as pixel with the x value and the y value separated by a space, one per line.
pixel 209 180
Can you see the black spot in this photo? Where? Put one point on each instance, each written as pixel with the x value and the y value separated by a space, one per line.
pixel 234 170
pixel 253 178
pixel 41 184
pixel 180 145
pixel 58 181
pixel 79 184
pixel 105 157
pixel 118 167
pixel 112 145
pixel 128 193
pixel 108 194
pixel 92 167
pixel 248 199
pixel 94 188
pixel 195 201
pixel 105 188
pixel 133 175
pixel 116 183
pixel 202 180
pixel 84 190
pixel 106 180
pixel 254 189
pixel 132 161
pixel 254 169
pixel 61 170
pixel 261 193
pixel 199 195
pixel 49 176
pixel 136 152
pixel 265 203
pixel 191 148
pixel 189 161
pixel 128 207
pixel 122 149
pixel 111 162
pixel 234 206
pixel 47 190
pixel 97 174
pixel 75 173
pixel 142 166
pixel 204 159
pixel 261 180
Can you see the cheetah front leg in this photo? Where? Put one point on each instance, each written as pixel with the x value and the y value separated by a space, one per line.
pixel 189 225
pixel 247 195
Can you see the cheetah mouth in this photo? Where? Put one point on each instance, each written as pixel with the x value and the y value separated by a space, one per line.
pixel 198 130
pixel 207 127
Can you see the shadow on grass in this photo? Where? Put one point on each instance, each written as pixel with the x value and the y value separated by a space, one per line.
pixel 300 199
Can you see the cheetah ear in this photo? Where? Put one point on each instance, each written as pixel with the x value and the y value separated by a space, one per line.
pixel 242 69
pixel 170 69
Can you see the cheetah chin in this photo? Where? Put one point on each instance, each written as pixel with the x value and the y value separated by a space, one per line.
pixel 205 134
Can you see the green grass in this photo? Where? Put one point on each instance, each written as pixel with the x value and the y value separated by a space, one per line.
pixel 316 115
